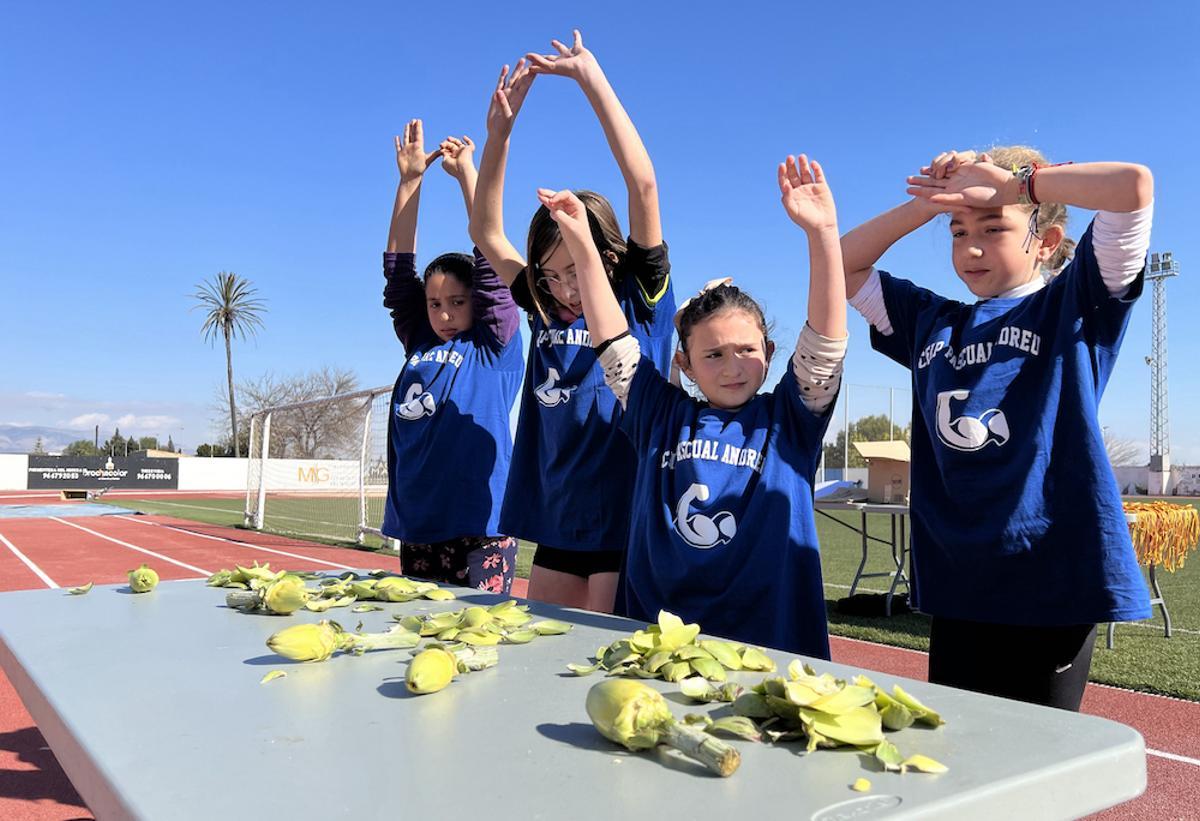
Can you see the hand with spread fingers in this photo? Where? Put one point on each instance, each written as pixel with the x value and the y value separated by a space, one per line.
pixel 568 62
pixel 806 197
pixel 458 155
pixel 508 96
pixel 411 158
pixel 978 184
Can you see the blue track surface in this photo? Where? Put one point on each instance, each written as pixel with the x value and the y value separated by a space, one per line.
pixel 62 511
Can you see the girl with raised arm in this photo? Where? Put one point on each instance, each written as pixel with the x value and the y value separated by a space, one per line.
pixel 449 444
pixel 1019 540
pixel 570 483
pixel 723 531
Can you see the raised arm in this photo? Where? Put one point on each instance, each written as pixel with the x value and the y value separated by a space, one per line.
pixel 605 319
pixel 487 214
pixel 821 346
pixel 863 246
pixel 809 203
pixel 412 162
pixel 1097 186
pixel 645 225
pixel 458 160
pixel 403 294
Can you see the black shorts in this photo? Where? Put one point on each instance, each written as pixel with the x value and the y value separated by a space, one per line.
pixel 582 563
pixel 1041 665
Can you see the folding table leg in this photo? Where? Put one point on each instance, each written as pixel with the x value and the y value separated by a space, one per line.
pixel 1159 600
pixel 862 562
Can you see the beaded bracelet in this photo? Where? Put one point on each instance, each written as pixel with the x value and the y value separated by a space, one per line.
pixel 1024 176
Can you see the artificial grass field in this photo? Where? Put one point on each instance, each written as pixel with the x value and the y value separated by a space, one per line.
pixel 1141 660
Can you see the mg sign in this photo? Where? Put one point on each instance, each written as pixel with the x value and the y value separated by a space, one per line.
pixel 312 475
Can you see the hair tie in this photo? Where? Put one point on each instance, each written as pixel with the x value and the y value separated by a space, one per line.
pixel 708 286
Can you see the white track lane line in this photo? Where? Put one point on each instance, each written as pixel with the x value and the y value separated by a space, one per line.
pixel 1195 762
pixel 40 573
pixel 250 545
pixel 184 565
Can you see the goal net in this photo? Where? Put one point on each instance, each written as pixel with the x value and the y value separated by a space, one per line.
pixel 319 468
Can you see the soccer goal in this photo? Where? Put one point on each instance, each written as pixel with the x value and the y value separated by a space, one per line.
pixel 319 468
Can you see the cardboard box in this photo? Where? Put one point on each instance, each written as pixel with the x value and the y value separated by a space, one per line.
pixel 887 470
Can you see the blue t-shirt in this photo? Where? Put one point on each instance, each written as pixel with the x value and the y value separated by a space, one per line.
pixel 723 531
pixel 572 470
pixel 449 440
pixel 1016 514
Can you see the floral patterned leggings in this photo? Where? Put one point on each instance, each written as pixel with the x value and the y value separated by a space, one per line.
pixel 483 562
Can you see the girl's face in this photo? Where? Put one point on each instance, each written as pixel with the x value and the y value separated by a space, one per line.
pixel 726 358
pixel 557 275
pixel 989 249
pixel 448 303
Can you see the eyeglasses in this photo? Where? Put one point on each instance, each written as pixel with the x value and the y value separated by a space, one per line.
pixel 557 283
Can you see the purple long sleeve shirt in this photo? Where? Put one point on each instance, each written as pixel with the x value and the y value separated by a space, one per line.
pixel 404 296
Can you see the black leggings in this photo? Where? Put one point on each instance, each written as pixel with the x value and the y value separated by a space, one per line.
pixel 1041 665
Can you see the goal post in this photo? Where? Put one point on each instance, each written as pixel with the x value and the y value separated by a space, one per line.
pixel 318 468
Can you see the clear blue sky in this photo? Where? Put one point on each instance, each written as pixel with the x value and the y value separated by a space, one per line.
pixel 147 146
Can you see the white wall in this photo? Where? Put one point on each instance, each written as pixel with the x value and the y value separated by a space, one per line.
pixel 200 473
pixel 1132 477
pixel 14 471
pixel 312 474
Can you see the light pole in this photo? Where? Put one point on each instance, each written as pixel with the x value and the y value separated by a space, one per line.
pixel 1162 267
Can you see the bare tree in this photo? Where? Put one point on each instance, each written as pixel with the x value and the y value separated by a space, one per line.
pixel 324 431
pixel 1122 452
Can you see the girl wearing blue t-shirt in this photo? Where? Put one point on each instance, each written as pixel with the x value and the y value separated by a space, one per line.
pixel 449 444
pixel 1019 541
pixel 569 486
pixel 722 531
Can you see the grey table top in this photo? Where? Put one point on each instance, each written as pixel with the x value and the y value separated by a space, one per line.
pixel 152 704
pixel 861 506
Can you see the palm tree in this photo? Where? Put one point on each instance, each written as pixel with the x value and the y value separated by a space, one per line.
pixel 231 310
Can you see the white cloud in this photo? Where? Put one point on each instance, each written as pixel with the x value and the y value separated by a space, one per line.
pixel 45 395
pixel 87 420
pixel 150 423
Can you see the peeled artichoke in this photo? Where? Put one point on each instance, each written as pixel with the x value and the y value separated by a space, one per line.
pixel 143 580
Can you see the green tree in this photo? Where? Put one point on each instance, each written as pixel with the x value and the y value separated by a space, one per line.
pixel 170 444
pixel 38 448
pixel 147 443
pixel 115 446
pixel 231 310
pixel 81 447
pixel 210 450
pixel 874 428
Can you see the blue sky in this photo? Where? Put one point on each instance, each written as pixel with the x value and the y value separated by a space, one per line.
pixel 148 146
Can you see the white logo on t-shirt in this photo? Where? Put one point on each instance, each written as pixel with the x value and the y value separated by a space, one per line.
pixel 416 403
pixel 549 393
pixel 969 433
pixel 699 530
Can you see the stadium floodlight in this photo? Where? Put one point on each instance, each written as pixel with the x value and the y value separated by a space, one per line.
pixel 1162 267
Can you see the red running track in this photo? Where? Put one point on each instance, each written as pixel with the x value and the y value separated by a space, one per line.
pixel 1171 727
pixel 73 551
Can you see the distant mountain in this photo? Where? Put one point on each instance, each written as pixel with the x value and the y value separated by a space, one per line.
pixel 22 438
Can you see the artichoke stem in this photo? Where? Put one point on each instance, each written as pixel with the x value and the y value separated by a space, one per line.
pixel 393 639
pixel 705 748
pixel 243 599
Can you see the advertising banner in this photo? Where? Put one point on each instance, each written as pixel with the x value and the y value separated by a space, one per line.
pixel 95 472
